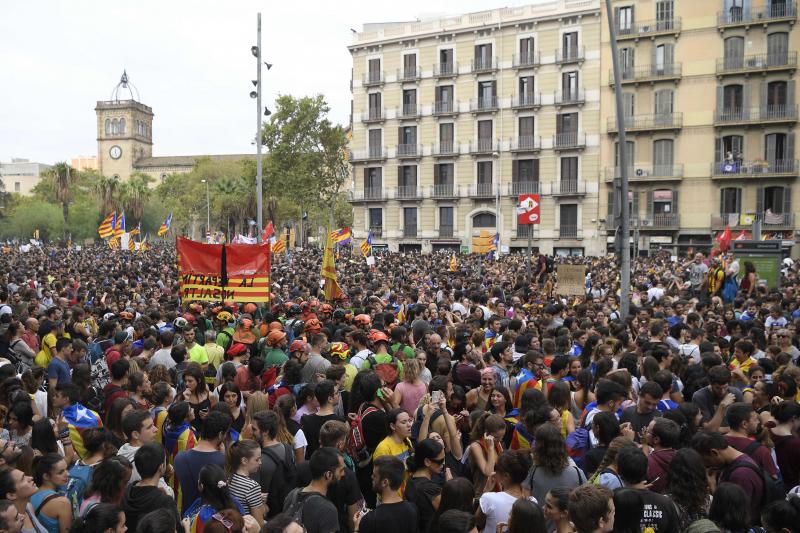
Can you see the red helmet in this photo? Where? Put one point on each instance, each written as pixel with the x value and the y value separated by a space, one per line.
pixel 326 308
pixel 313 325
pixel 378 336
pixel 362 320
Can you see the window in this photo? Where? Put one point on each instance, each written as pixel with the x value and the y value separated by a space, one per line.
pixel 409 102
pixel 486 94
pixel 108 127
pixel 663 157
pixel 483 56
pixel 735 11
pixel 733 99
pixel 407 178
pixel 628 106
pixel 730 200
pixel 122 126
pixel 526 132
pixel 407 135
pixel 777 48
pixel 665 15
pixel 446 135
pixel 375 143
pixel 664 58
pixel 662 202
pixel 525 176
pixel 664 106
pixel 484 173
pixel 410 221
pixel 624 20
pixel 567 123
pixel 630 155
pixel 569 170
pixel 444 93
pixel 777 100
pixel 376 220
pixel 526 56
pixel 569 85
pixel 17 186
pixel 779 8
pixel 729 148
pixel 374 102
pixel 443 174
pixel 774 198
pixel 409 66
pixel 445 222
pixel 568 218
pixel 374 70
pixel 525 87
pixel 776 148
pixel 446 60
pixel 569 45
pixel 484 130
pixel 734 52
pixel 373 182
pixel 626 63
pixel 484 220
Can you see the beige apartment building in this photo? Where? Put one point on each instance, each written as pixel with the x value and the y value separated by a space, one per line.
pixel 454 118
pixel 710 112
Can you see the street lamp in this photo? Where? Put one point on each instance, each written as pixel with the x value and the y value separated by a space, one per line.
pixel 208 208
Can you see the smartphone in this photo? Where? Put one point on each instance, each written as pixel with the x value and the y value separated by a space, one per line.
pixel 380 394
pixel 436 397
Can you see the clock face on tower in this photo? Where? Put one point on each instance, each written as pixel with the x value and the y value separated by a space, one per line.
pixel 115 152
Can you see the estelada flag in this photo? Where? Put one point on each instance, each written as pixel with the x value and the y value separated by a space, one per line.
pixel 453 265
pixel 106 228
pixel 119 231
pixel 165 226
pixel 332 289
pixel 366 246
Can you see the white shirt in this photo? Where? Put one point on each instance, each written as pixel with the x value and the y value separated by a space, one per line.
pixel 358 359
pixel 497 508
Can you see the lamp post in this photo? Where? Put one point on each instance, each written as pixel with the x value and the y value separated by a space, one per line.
pixel 256 51
pixel 208 209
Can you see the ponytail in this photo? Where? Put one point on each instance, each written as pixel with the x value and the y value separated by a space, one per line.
pixel 238 450
pixel 99 518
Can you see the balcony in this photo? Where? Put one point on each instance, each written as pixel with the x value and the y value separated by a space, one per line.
pixel 484 146
pixel 529 100
pixel 758 169
pixel 772 114
pixel 657 221
pixel 373 154
pixel 571 187
pixel 408 112
pixel 445 70
pixel 372 79
pixel 446 231
pixel 484 64
pixel 367 194
pixel 738 16
pixel 525 230
pixel 529 60
pixel 377 231
pixel 565 56
pixel 409 74
pixel 650 28
pixel 525 187
pixel 483 105
pixel 569 141
pixel 445 149
pixel 647 173
pixel 646 123
pixel 408 192
pixel 757 63
pixel 569 231
pixel 410 231
pixel 526 143
pixel 482 190
pixel 445 108
pixel 648 74
pixel 444 191
pixel 769 221
pixel 374 115
pixel 577 97
pixel 408 151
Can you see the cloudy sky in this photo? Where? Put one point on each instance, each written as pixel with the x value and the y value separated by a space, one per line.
pixel 190 61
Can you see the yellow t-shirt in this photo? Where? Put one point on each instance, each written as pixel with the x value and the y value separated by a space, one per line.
pixel 745 367
pixel 215 354
pixel 349 375
pixel 47 350
pixel 197 354
pixel 389 447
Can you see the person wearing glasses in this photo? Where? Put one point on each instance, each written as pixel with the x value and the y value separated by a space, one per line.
pixel 785 343
pixel 426 462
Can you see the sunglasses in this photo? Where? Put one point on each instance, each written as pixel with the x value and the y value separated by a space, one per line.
pixel 227 524
pixel 437 461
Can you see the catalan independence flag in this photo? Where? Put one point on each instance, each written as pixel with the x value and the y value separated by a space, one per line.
pixel 113 242
pixel 165 226
pixel 131 243
pixel 159 417
pixel 106 228
pixel 178 439
pixel 366 246
pixel 79 419
pixel 137 230
pixel 143 244
pixel 341 236
pixel 119 230
pixel 525 381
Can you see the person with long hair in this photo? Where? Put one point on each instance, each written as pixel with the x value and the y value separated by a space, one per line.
pixel 551 465
pixel 458 494
pixel 605 428
pixel 214 497
pixel 730 509
pixel 556 510
pixel 398 438
pixel 509 473
pixel 102 518
pixel 119 408
pixel 607 473
pixel 525 517
pixel 52 510
pixel 561 399
pixel 687 487
pixel 255 403
pixel 583 394
pixel 749 280
pixel 163 395
pixel 197 393
pixel 426 462
pixel 20 488
pixel 487 437
pixel 411 389
pixel 289 431
pixel 139 389
pixel 19 421
pixel 244 460
pixel 109 479
pixel 230 395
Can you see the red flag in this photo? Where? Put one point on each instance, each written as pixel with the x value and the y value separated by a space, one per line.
pixel 268 231
pixel 724 239
pixel 742 236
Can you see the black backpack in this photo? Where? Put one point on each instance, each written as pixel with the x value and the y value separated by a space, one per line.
pixel 294 505
pixel 549 264
pixel 773 489
pixel 283 481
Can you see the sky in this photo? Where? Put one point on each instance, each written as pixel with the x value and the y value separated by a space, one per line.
pixel 189 60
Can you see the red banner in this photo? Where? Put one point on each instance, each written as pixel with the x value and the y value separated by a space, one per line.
pixel 246 275
pixel 528 209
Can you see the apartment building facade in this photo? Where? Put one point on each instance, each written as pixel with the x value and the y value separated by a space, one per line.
pixel 709 104
pixel 454 118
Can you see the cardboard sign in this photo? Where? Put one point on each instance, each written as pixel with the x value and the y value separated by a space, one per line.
pixel 528 209
pixel 571 280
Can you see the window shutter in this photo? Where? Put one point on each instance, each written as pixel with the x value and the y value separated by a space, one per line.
pixel 674 201
pixel 477 53
pixel 669 56
pixel 738 199
pixel 654 59
pixel 719 157
pixel 760 200
pixel 790 148
pixel 722 201
pixel 720 98
pixel 790 88
pixel 535 170
pixel 366 178
pixel 763 98
pixel 746 100
pixel 787 200
pixel 649 203
pixel 514 170
pixel 436 173
pixel 611 205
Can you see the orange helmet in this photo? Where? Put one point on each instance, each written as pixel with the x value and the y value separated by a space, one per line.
pixel 273 326
pixel 313 325
pixel 378 336
pixel 125 315
pixel 340 350
pixel 275 337
pixel 326 308
pixel 250 308
pixel 362 320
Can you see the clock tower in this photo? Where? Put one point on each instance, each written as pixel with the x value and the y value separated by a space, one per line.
pixel 124 131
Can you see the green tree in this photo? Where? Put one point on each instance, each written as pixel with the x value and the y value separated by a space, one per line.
pixel 62 178
pixel 134 195
pixel 105 192
pixel 30 214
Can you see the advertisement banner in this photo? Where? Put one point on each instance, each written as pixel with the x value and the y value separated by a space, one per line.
pixel 528 209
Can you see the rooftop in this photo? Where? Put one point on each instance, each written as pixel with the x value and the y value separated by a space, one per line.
pixel 187 160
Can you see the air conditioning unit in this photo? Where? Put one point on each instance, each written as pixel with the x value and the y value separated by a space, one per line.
pixel 641 172
pixel 646 222
pixel 644 29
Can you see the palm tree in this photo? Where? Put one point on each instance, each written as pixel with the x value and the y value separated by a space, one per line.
pixel 134 195
pixel 105 191
pixel 62 177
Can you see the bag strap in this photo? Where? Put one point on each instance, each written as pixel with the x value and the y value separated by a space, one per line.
pixel 44 502
pixel 753 446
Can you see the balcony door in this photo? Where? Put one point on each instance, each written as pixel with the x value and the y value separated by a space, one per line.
pixel 663 58
pixel 665 15
pixel 626 62
pixel 569 44
pixel 525 176
pixel 733 102
pixel 526 56
pixel 484 177
pixel 409 65
pixel 406 180
pixel 410 221
pixel 446 136
pixel 663 157
pixel 526 89
pixel 375 142
pixel 485 134
pixel 483 55
pixel 569 85
pixel 446 221
pixel 443 179
pixel 779 149
pixel 486 93
pixel 569 174
pixel 775 199
pixel 526 125
pixel 730 202
pixel 777 48
pixel 734 52
pixel 664 106
pixel 373 183
pixel 376 221
pixel 568 218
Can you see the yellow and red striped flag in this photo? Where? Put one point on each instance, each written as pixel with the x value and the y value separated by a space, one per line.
pixel 332 289
pixel 165 226
pixel 278 246
pixel 119 230
pixel 113 243
pixel 106 228
pixel 366 246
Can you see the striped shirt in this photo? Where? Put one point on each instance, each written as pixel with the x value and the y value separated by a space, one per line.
pixel 246 490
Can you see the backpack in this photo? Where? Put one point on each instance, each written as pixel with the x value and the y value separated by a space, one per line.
pixel 210 375
pixel 549 264
pixel 773 489
pixel 80 476
pixel 356 444
pixel 578 443
pixel 415 427
pixel 283 481
pixel 595 479
pixel 388 372
pixel 293 506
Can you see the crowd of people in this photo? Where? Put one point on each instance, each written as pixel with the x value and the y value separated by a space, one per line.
pixel 438 396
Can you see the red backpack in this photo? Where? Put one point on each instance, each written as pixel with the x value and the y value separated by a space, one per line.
pixel 388 372
pixel 356 444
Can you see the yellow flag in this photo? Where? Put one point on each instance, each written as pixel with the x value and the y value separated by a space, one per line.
pixel 332 290
pixel 453 265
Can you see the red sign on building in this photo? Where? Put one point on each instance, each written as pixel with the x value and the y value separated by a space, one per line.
pixel 528 209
